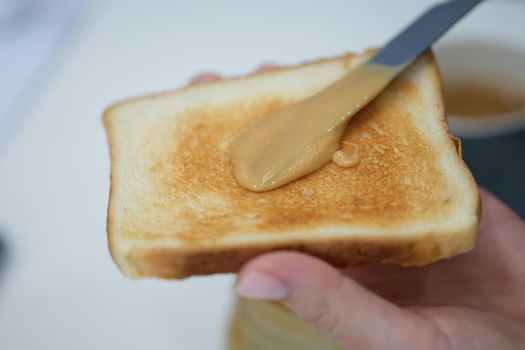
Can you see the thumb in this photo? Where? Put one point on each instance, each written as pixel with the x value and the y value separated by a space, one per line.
pixel 335 304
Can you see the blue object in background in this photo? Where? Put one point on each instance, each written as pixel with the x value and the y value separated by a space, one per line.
pixel 30 33
pixel 3 256
pixel 498 164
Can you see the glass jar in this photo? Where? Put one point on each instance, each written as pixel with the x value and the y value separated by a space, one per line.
pixel 263 325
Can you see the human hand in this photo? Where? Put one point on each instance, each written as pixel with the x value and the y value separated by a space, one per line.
pixel 473 301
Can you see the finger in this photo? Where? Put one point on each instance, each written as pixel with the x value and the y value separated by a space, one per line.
pixel 494 212
pixel 204 78
pixel 321 295
pixel 399 285
pixel 268 67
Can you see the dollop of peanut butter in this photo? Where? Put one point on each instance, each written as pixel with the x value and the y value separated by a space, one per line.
pixel 299 139
pixel 346 159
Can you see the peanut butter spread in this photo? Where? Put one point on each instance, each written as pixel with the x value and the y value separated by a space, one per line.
pixel 299 139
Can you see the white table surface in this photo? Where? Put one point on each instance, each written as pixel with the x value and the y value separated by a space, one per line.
pixel 60 289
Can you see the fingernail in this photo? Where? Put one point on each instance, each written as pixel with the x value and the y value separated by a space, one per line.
pixel 204 78
pixel 261 286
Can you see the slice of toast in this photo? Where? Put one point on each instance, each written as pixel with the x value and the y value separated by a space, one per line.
pixel 176 210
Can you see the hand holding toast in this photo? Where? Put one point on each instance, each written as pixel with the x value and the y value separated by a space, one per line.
pixel 473 301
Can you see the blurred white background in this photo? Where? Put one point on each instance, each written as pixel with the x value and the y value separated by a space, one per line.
pixel 59 288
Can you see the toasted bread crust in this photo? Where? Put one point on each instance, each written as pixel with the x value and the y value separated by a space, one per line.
pixel 180 262
pixel 175 263
pixel 107 112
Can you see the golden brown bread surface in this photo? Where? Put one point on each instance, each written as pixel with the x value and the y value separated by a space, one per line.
pixel 176 210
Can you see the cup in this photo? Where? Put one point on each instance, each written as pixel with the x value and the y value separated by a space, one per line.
pixel 484 87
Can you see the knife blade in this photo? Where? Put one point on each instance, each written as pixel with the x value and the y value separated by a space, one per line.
pixel 422 33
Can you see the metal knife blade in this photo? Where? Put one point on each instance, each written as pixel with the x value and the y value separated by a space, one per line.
pixel 422 33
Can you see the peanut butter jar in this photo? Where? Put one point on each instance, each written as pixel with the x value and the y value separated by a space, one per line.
pixel 263 325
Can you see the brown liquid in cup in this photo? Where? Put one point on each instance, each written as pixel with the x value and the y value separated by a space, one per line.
pixel 472 99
